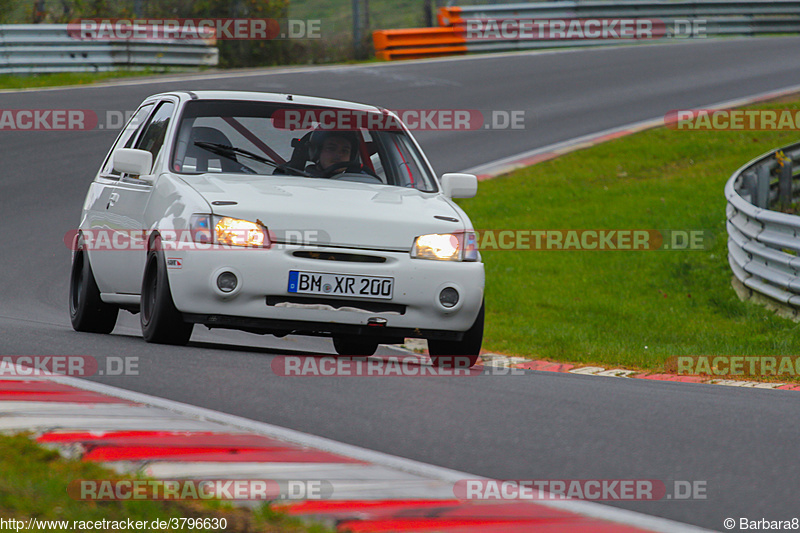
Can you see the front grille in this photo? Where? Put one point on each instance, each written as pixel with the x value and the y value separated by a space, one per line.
pixel 340 256
pixel 334 304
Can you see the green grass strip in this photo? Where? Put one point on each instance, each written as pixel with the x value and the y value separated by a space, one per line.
pixel 626 308
pixel 34 481
pixel 30 81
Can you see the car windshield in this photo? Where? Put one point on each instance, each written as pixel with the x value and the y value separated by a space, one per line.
pixel 269 139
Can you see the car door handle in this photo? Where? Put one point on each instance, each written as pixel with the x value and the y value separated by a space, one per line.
pixel 112 199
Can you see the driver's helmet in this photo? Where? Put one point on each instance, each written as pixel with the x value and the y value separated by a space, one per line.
pixel 318 138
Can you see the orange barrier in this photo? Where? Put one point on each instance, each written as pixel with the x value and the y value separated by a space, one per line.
pixel 449 16
pixel 416 43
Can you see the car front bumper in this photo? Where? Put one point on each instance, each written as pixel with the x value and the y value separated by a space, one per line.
pixel 261 301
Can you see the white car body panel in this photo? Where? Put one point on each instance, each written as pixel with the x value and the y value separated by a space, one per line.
pixel 331 216
pixel 351 214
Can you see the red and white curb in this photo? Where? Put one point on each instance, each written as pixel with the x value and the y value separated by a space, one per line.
pixel 508 164
pixel 503 361
pixel 371 491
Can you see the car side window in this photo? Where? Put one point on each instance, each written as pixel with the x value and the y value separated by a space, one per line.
pixel 153 137
pixel 129 134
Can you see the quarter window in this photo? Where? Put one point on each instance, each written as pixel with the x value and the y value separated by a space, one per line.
pixel 153 137
pixel 126 139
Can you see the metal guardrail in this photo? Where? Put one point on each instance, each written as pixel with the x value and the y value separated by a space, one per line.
pixel 40 48
pixel 453 15
pixel 718 17
pixel 764 245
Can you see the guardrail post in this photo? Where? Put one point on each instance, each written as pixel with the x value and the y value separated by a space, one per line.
pixel 762 187
pixel 750 186
pixel 785 185
pixel 428 8
pixel 356 29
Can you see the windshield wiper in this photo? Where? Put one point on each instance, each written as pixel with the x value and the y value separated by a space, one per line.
pixel 229 151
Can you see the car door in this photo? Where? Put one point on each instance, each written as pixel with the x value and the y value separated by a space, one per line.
pixel 129 200
pixel 100 224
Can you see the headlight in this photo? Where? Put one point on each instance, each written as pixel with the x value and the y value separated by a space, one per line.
pixel 229 231
pixel 446 247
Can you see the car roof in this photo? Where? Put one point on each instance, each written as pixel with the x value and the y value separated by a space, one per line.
pixel 254 96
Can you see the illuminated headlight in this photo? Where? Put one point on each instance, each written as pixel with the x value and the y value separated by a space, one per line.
pixel 446 247
pixel 230 231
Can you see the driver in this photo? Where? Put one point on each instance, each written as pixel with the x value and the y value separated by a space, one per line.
pixel 333 152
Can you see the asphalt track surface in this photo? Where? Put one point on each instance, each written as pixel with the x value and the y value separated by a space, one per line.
pixel 741 442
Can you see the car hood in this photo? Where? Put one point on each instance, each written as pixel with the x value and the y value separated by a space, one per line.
pixel 335 212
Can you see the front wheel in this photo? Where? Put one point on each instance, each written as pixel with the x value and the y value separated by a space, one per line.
pixel 87 311
pixel 459 354
pixel 348 346
pixel 161 322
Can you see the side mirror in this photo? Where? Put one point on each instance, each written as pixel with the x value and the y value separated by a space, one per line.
pixel 457 185
pixel 133 161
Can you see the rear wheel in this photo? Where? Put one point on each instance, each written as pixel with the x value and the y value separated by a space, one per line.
pixel 87 311
pixel 350 346
pixel 161 322
pixel 459 354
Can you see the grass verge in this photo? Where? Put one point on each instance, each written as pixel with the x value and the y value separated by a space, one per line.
pixel 626 308
pixel 34 481
pixel 27 81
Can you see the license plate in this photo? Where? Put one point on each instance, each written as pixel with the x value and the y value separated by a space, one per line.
pixel 340 285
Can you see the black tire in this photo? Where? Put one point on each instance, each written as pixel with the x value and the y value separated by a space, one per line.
pixel 349 346
pixel 87 311
pixel 161 322
pixel 459 354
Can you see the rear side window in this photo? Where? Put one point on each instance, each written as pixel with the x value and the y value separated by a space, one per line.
pixel 126 140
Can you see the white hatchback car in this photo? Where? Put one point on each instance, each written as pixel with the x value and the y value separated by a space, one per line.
pixel 279 214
